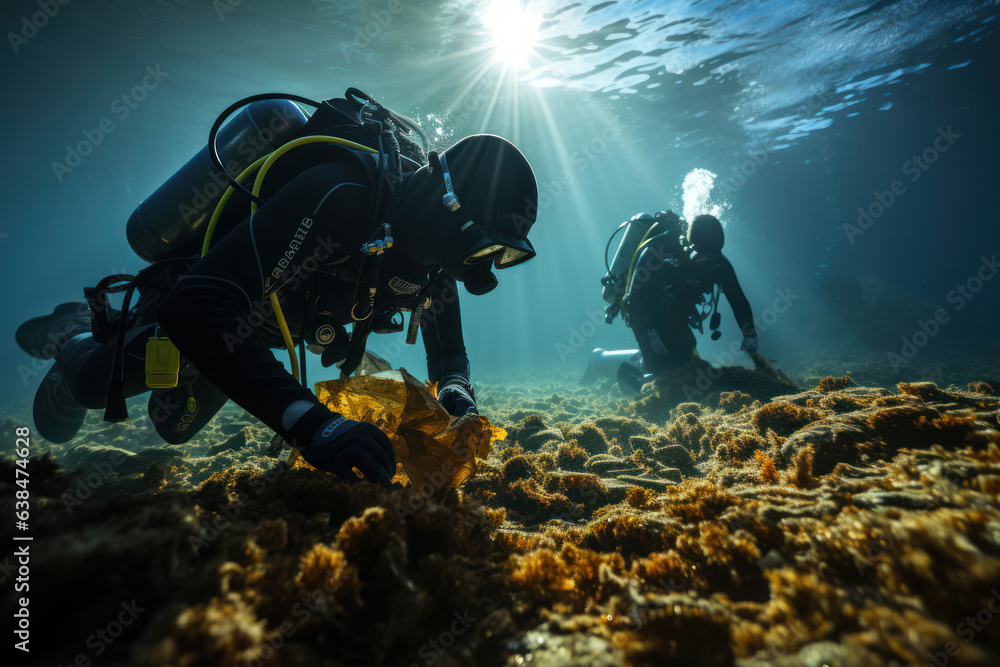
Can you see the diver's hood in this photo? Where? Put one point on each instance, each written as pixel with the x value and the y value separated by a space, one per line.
pixel 706 235
pixel 469 206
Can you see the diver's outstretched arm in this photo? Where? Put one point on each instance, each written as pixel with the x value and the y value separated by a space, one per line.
pixel 737 299
pixel 447 360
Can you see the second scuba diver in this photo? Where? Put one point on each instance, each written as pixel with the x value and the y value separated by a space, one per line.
pixel 667 283
pixel 341 235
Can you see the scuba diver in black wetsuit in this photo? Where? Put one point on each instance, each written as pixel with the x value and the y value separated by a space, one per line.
pixel 327 244
pixel 664 288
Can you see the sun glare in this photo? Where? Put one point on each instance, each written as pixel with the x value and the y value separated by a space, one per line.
pixel 515 31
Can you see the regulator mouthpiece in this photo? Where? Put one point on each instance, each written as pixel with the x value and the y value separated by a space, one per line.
pixel 480 280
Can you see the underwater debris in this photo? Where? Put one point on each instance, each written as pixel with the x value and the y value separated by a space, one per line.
pixel 431 447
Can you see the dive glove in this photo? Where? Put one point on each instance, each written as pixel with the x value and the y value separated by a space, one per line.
pixel 457 396
pixel 749 343
pixel 343 443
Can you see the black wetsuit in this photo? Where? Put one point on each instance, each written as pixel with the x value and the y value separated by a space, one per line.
pixel 665 297
pixel 302 244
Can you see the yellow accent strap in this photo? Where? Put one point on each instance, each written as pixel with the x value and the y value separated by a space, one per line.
pixel 646 238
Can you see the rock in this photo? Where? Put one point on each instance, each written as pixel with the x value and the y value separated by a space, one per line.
pixel 671 474
pixel 539 438
pixel 107 460
pixel 603 463
pixel 236 442
pixel 641 443
pixel 620 428
pixel 904 499
pixel 812 510
pixel 833 654
pixel 589 436
pixel 676 456
pixel 230 427
pixel 559 649
pixel 772 560
pixel 648 482
pixel 89 456
pixel 833 443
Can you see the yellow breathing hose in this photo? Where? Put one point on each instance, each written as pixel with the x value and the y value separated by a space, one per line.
pixel 268 161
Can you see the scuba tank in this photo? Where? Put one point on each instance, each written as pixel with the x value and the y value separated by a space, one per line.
pixel 171 222
pixel 175 224
pixel 639 231
pixel 614 280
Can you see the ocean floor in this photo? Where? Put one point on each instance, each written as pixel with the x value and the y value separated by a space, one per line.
pixel 853 520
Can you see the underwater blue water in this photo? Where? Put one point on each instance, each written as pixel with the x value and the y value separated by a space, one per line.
pixel 805 112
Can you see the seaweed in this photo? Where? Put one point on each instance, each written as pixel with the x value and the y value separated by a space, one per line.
pixel 868 536
pixel 734 401
pixel 831 383
pixel 782 417
pixel 589 437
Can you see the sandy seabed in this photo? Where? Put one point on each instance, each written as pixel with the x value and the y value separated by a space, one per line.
pixel 853 521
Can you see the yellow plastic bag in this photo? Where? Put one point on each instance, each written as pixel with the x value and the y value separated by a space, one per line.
pixel 434 452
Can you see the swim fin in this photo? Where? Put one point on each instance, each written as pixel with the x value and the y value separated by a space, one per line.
pixel 57 415
pixel 44 336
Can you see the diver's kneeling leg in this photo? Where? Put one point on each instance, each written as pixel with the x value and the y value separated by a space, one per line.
pixel 605 363
pixel 85 366
pixel 57 415
pixel 180 412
